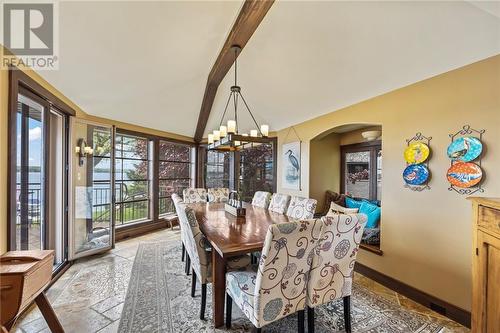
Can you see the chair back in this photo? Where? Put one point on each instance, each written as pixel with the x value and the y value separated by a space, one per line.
pixel 261 199
pixel 195 242
pixel 333 263
pixel 218 194
pixel 279 203
pixel 301 208
pixel 194 195
pixel 177 200
pixel 281 281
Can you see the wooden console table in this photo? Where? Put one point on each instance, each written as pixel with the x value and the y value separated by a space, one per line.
pixel 24 275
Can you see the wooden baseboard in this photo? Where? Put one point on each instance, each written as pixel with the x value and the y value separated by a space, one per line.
pixel 138 230
pixel 442 307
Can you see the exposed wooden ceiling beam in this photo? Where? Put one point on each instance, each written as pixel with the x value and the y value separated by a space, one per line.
pixel 249 18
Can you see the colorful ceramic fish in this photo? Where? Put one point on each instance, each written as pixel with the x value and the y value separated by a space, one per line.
pixel 464 174
pixel 416 174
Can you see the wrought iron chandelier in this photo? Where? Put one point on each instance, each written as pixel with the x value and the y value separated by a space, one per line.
pixel 228 137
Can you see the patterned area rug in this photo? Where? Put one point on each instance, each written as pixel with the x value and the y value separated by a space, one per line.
pixel 159 300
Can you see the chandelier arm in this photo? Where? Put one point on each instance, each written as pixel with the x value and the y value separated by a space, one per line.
pixel 251 114
pixel 235 111
pixel 225 109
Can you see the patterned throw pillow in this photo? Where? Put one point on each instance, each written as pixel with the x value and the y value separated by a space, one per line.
pixel 337 210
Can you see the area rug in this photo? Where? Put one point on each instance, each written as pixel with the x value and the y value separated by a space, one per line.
pixel 158 300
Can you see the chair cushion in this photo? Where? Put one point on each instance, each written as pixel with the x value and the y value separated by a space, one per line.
pixel 240 285
pixel 301 208
pixel 372 212
pixel 337 209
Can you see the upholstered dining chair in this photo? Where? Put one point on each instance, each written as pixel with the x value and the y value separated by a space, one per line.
pixel 199 251
pixel 277 287
pixel 218 194
pixel 332 266
pixel 279 203
pixel 261 199
pixel 184 256
pixel 194 195
pixel 301 208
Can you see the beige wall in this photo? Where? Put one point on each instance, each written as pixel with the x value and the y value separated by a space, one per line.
pixel 426 236
pixel 4 92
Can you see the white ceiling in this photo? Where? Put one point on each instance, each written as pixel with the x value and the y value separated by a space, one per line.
pixel 144 63
pixel 307 59
pixel 147 63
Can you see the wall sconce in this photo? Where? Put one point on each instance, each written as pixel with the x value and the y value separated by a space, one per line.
pixel 82 150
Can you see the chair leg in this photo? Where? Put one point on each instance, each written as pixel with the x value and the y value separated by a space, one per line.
pixel 310 320
pixel 193 283
pixel 203 300
pixel 347 313
pixel 188 265
pixel 300 321
pixel 229 308
pixel 183 252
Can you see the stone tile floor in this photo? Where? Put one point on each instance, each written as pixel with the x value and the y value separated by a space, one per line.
pixel 89 296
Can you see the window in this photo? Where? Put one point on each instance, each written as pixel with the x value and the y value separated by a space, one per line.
pixel 176 172
pixel 362 170
pixel 217 170
pixel 256 170
pixel 132 178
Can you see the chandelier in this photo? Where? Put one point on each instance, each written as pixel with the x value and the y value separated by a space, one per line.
pixel 228 136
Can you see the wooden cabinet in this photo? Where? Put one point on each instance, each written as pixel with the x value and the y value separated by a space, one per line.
pixel 486 266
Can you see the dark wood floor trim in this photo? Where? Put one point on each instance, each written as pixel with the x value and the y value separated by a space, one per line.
pixel 442 307
pixel 140 229
pixel 251 14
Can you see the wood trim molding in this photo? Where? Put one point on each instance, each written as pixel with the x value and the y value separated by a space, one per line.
pixel 249 18
pixel 442 307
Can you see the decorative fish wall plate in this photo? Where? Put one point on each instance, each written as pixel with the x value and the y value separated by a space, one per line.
pixel 416 153
pixel 464 174
pixel 416 174
pixel 465 149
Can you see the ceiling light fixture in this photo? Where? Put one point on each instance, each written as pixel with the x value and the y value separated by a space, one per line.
pixel 228 137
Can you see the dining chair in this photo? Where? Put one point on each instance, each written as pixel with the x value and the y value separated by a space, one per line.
pixel 261 199
pixel 277 287
pixel 184 256
pixel 218 194
pixel 199 252
pixel 301 208
pixel 332 266
pixel 194 195
pixel 279 203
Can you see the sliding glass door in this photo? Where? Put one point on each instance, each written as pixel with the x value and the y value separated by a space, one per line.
pixel 92 188
pixel 40 154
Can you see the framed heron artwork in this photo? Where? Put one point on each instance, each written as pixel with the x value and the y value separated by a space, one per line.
pixel 291 165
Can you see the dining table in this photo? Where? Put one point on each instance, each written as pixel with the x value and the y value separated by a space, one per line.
pixel 231 236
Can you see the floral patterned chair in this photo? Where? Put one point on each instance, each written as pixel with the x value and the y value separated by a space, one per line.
pixel 276 287
pixel 279 203
pixel 199 252
pixel 218 194
pixel 261 199
pixel 301 208
pixel 194 195
pixel 332 266
pixel 184 257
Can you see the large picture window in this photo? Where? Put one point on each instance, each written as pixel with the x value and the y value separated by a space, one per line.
pixel 217 169
pixel 176 172
pixel 256 170
pixel 132 178
pixel 362 170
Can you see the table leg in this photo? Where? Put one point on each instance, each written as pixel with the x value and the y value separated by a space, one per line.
pixel 48 313
pixel 218 288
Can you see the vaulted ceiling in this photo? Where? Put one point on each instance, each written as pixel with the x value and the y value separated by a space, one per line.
pixel 147 63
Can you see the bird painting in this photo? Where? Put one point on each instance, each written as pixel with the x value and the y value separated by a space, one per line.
pixel 291 159
pixel 460 153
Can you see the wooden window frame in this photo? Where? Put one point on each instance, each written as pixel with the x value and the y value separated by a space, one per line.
pixel 20 82
pixel 373 147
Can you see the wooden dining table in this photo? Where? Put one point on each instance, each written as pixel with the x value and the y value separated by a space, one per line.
pixel 231 236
